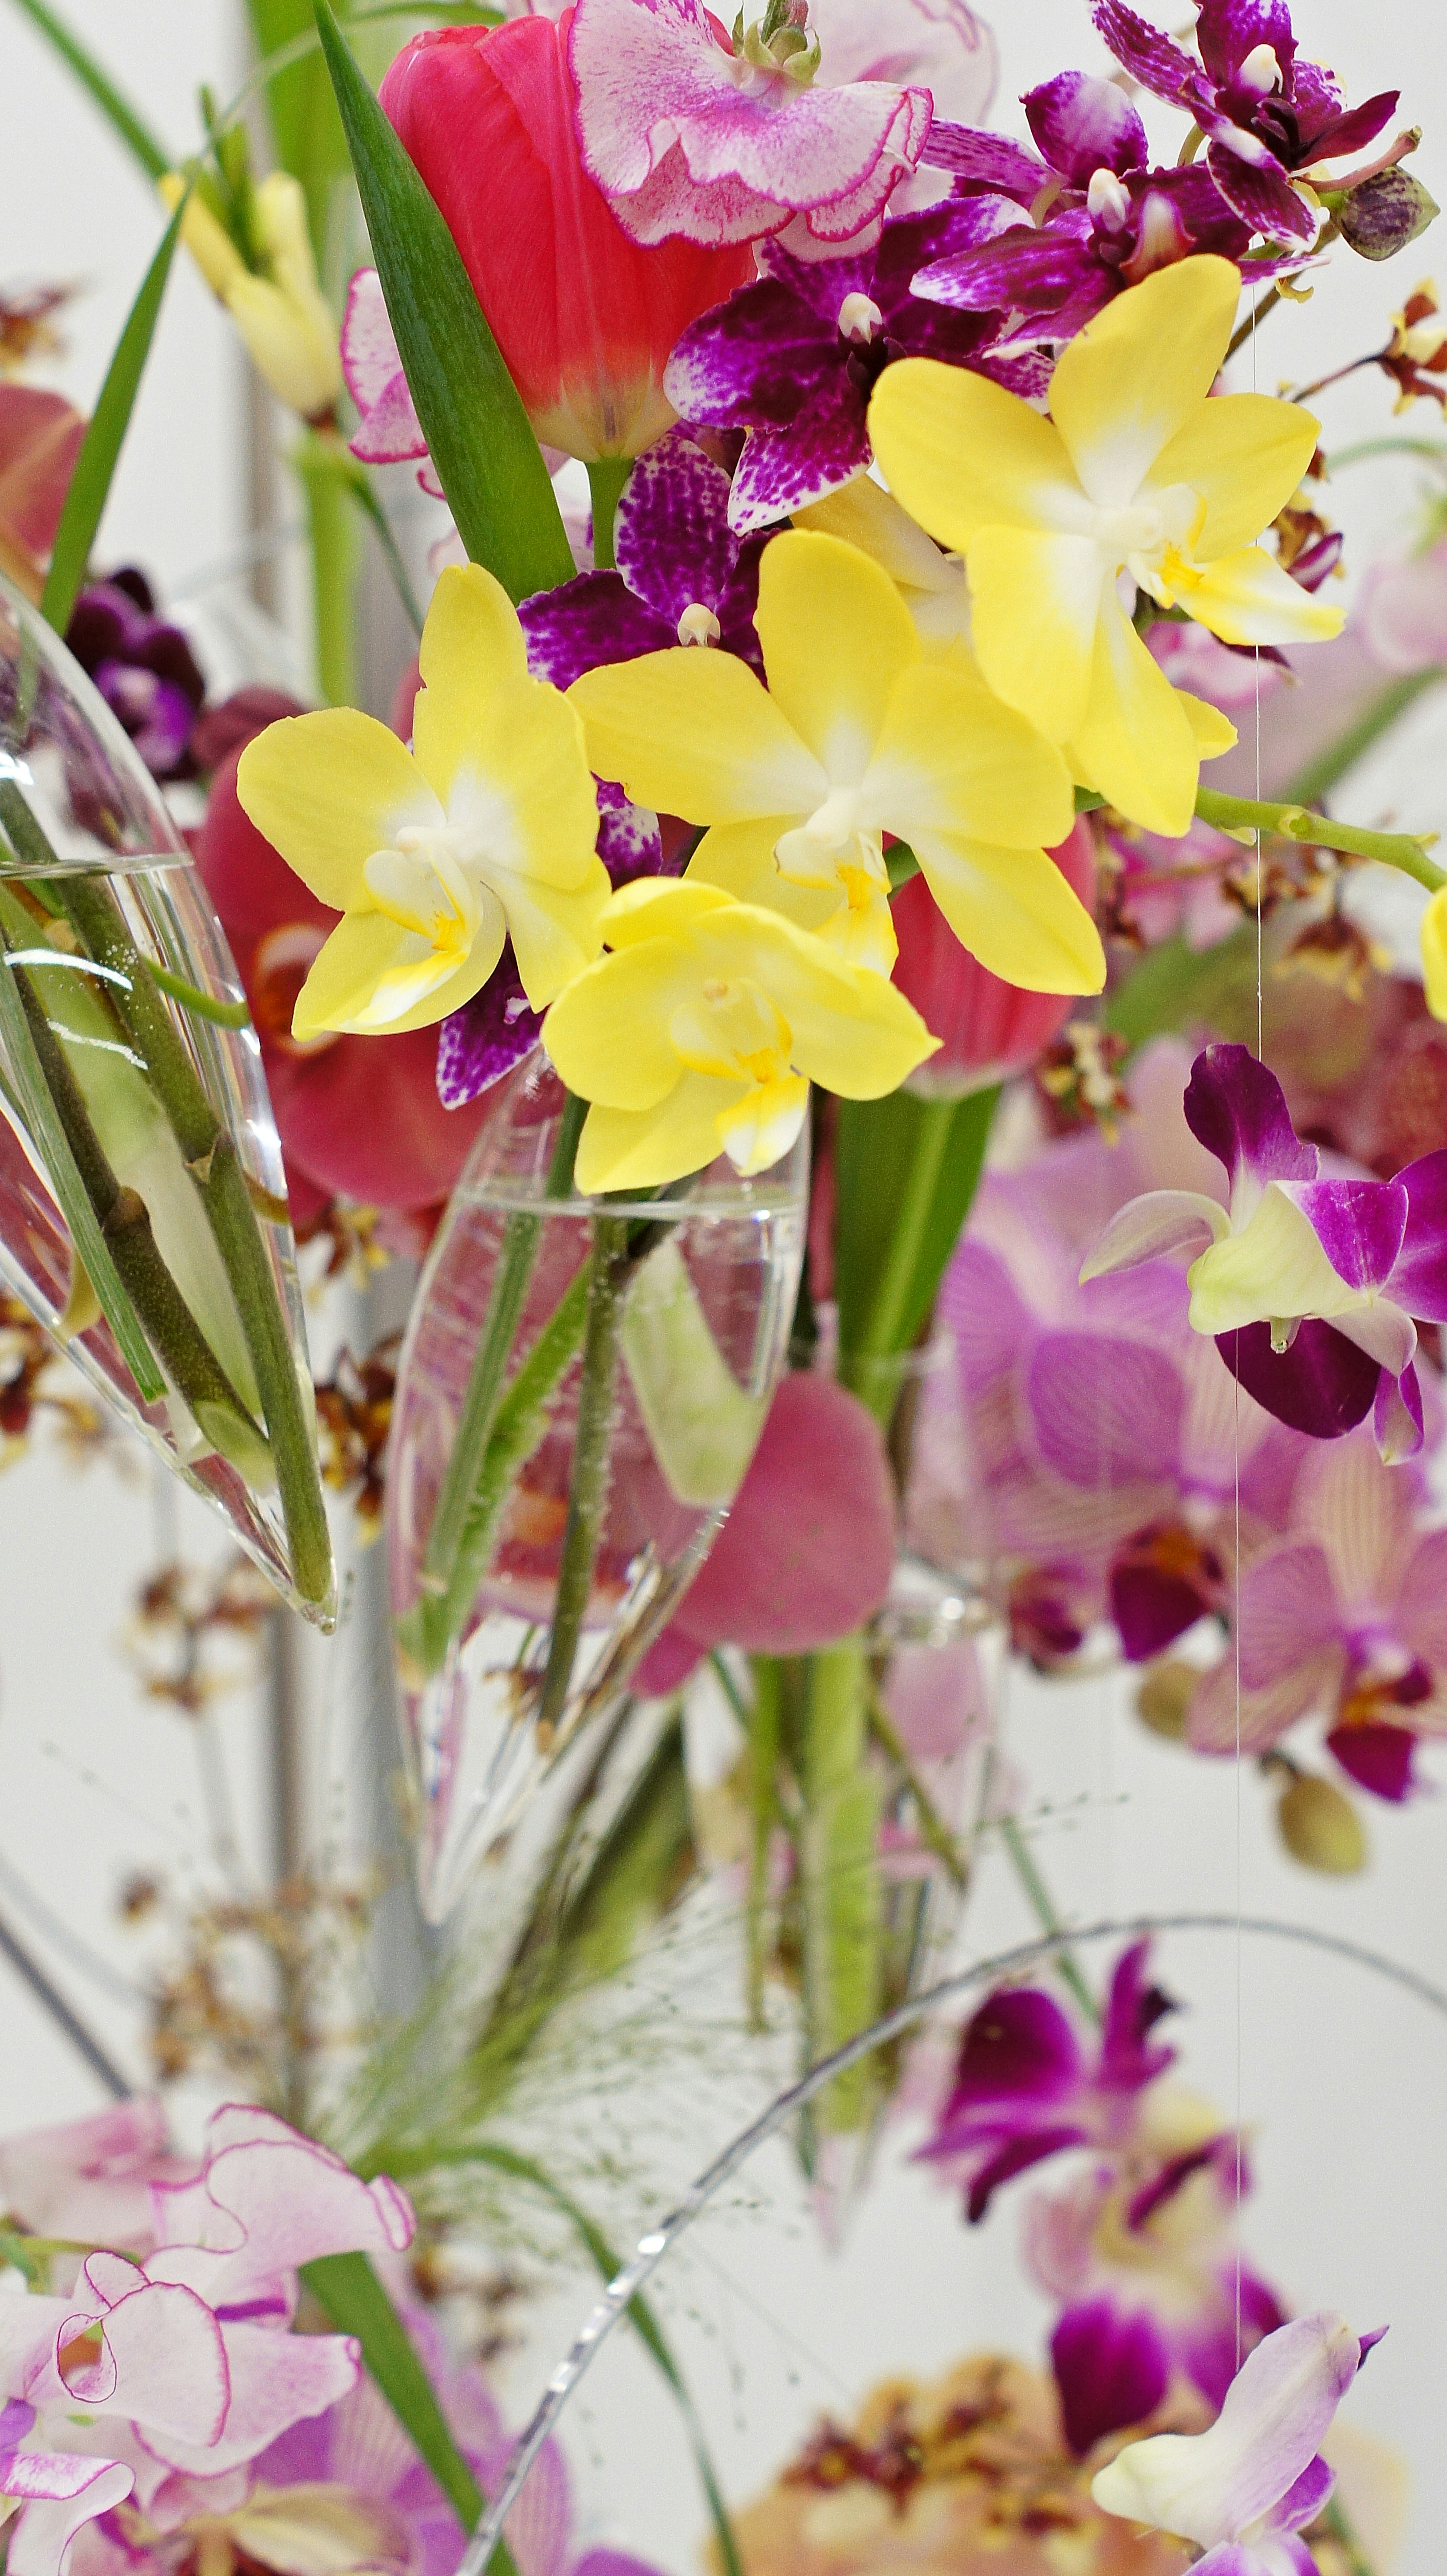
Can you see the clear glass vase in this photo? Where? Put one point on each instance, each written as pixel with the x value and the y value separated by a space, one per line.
pixel 581 1389
pixel 143 1211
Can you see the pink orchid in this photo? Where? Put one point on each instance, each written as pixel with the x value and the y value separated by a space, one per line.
pixel 689 139
pixel 390 432
pixel 88 2182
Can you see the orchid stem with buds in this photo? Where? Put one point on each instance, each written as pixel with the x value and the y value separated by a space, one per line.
pixel 1244 816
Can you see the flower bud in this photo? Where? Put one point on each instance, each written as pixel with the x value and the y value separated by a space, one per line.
pixel 987 1029
pixel 1320 1827
pixel 1385 213
pixel 278 308
pixel 1163 1699
pixel 585 318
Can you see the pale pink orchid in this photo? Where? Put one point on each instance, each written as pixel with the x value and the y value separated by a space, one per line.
pixel 1243 2491
pixel 688 139
pixel 89 2182
pixel 390 432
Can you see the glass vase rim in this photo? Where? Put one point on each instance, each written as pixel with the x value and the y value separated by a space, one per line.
pixel 145 798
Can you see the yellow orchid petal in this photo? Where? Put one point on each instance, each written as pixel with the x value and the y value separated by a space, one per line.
pixel 1037 603
pixel 836 636
pixel 656 907
pixel 766 1122
pixel 608 1031
pixel 960 453
pixel 1249 598
pixel 1014 910
pixel 1214 733
pixel 621 1149
pixel 693 732
pixel 372 978
pixel 327 790
pixel 1136 745
pixel 555 933
pixel 1434 954
pixel 472 644
pixel 1244 454
pixel 1131 380
pixel 851 1030
pixel 739 857
pixel 867 516
pixel 952 757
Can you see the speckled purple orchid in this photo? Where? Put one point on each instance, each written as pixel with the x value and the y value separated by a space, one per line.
pixel 1344 1615
pixel 1264 109
pixel 1308 1285
pixel 143 667
pixel 1107 219
pixel 1025 2086
pixel 794 358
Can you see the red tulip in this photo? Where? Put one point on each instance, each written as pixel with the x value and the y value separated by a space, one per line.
pixel 585 318
pixel 986 1028
pixel 40 436
pixel 358 1118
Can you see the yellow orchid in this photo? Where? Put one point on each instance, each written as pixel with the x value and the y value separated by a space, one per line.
pixel 434 860
pixel 701 1032
pixel 932 585
pixel 1434 954
pixel 1136 474
pixel 278 308
pixel 857 734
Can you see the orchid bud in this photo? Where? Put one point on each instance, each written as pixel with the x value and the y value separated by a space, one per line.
pixel 859 319
pixel 1320 1827
pixel 1163 1699
pixel 1107 200
pixel 1385 213
pixel 277 307
pixel 698 625
pixel 1260 73
pixel 585 318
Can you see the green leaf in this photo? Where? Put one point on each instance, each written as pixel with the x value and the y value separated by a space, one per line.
pixel 906 1172
pixel 479 436
pixel 305 127
pixel 96 464
pixel 116 109
pixel 1176 987
pixel 346 2286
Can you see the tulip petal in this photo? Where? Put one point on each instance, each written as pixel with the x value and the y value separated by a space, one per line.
pixel 624 1149
pixel 1131 380
pixel 1248 598
pixel 693 733
pixel 1158 1223
pixel 1135 743
pixel 1014 910
pixel 1245 455
pixel 1209 2487
pixel 836 638
pixel 951 757
pixel 327 790
pixel 962 454
pixel 372 977
pixel 472 646
pixel 1037 609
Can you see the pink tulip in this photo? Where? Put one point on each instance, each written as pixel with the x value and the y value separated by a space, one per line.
pixel 585 318
pixel 358 1117
pixel 40 436
pixel 807 1550
pixel 987 1028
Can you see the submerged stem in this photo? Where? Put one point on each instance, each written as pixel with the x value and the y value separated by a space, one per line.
pixel 588 1487
pixel 1043 1908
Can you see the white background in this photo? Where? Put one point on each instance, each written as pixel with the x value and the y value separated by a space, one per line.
pixel 1343 2078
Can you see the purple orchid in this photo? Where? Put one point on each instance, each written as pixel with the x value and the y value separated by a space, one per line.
pixel 794 358
pixel 1024 2087
pixel 1107 219
pixel 1264 109
pixel 1344 1614
pixel 143 667
pixel 1242 2491
pixel 1309 1286
pixel 691 138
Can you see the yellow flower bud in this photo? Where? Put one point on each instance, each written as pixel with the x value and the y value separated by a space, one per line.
pixel 1321 1828
pixel 280 312
pixel 1166 1691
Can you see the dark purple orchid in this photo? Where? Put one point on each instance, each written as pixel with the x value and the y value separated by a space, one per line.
pixel 1106 219
pixel 1309 1286
pixel 1025 2087
pixel 1263 109
pixel 794 358
pixel 143 668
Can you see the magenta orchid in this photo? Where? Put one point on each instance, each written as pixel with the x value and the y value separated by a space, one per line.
pixel 1308 1285
pixel 1267 113
pixel 793 359
pixel 692 139
pixel 1243 2491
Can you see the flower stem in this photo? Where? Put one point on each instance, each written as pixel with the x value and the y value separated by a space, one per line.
pixel 1244 815
pixel 1043 1909
pixel 605 481
pixel 588 1487
pixel 839 1876
pixel 934 1832
pixel 764 1724
pixel 227 1015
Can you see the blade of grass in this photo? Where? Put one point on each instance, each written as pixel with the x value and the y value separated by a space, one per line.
pixel 100 451
pixel 117 110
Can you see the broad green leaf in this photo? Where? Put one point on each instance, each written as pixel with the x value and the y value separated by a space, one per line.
pixel 906 1172
pixel 117 110
pixel 96 464
pixel 347 2288
pixel 305 127
pixel 478 434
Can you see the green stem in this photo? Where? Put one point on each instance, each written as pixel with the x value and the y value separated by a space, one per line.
pixel 360 487
pixel 332 531
pixel 204 1006
pixel 605 482
pixel 1317 780
pixel 764 1724
pixel 881 1332
pixel 588 1485
pixel 1334 2516
pixel 211 1157
pixel 1254 319
pixel 839 1878
pixel 1045 1914
pixel 1243 814
pixel 934 1832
